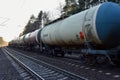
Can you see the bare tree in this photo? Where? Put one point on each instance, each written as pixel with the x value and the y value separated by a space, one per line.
pixel 60 8
pixel 46 17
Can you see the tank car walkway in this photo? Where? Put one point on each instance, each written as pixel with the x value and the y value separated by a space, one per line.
pixel 7 70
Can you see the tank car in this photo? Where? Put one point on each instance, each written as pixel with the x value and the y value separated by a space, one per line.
pixel 99 25
pixel 31 38
pixel 94 33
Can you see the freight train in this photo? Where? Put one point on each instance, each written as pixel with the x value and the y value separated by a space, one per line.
pixel 93 33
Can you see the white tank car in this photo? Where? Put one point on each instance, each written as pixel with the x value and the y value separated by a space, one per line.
pixel 71 31
pixel 31 38
pixel 99 25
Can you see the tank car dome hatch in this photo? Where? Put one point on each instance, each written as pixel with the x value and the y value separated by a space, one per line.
pixel 108 24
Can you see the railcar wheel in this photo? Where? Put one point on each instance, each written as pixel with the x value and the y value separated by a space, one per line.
pixel 88 59
pixel 102 59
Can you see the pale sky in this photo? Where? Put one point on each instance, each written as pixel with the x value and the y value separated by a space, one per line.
pixel 14 14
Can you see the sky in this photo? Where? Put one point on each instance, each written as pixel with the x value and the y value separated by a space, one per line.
pixel 14 14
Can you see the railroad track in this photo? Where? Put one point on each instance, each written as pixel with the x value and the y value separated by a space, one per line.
pixel 25 72
pixel 74 66
pixel 40 70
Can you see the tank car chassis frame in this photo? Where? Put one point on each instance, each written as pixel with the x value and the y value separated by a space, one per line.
pixel 88 54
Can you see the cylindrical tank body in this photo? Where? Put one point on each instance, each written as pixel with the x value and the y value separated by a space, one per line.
pixel 30 38
pixel 97 25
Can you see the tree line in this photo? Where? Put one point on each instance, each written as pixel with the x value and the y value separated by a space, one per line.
pixel 69 8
